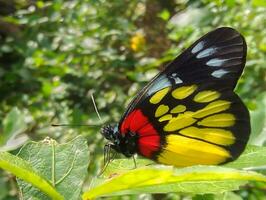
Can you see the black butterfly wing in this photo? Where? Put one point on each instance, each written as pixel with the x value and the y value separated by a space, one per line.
pixel 218 56
pixel 188 114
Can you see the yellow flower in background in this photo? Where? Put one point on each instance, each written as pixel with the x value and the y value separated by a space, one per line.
pixel 137 42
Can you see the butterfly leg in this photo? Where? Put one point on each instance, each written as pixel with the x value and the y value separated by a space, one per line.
pixel 106 157
pixel 135 163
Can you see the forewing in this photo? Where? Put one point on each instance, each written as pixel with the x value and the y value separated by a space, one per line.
pixel 219 56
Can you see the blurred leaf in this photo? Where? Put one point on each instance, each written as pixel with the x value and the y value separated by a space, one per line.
pixel 47 89
pixel 227 196
pixel 259 3
pixel 253 156
pixel 13 124
pixel 15 143
pixel 165 15
pixel 203 197
pixel 64 165
pixel 24 171
pixel 230 3
pixel 258 122
pixel 160 179
pixel 187 17
pixel 3 189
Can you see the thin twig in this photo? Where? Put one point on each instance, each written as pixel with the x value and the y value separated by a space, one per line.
pixel 95 107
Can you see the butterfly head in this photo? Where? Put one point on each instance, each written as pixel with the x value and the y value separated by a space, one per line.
pixel 122 144
pixel 110 132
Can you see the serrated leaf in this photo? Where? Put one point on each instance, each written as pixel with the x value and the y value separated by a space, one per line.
pixel 64 165
pixel 13 124
pixel 24 171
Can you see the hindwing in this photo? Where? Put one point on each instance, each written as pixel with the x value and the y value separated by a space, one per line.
pixel 198 124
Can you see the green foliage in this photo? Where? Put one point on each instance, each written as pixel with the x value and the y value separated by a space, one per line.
pixel 198 180
pixel 55 54
pixel 63 165
pixel 120 179
pixel 23 170
pixel 13 125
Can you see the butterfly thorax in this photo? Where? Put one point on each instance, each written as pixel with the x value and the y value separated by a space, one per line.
pixel 122 143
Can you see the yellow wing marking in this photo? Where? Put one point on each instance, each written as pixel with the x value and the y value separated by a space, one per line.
pixel 165 118
pixel 189 117
pixel 214 135
pixel 218 120
pixel 182 151
pixel 212 108
pixel 158 96
pixel 161 110
pixel 183 92
pixel 206 96
pixel 181 121
pixel 178 109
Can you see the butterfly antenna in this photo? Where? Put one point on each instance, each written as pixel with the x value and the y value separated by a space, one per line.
pixel 73 125
pixel 95 107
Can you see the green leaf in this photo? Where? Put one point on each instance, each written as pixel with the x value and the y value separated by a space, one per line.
pixel 162 179
pixel 24 171
pixel 152 178
pixel 258 122
pixel 252 157
pixel 261 3
pixel 13 124
pixel 165 15
pixel 4 188
pixel 227 196
pixel 64 165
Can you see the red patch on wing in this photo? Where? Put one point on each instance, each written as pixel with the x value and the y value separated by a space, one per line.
pixel 149 139
pixel 133 122
pixel 149 145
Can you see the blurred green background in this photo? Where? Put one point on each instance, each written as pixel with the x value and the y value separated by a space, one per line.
pixel 55 54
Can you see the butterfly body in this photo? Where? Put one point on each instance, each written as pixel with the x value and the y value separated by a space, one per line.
pixel 189 114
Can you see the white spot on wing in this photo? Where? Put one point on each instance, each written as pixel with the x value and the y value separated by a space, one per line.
pixel 198 47
pixel 219 73
pixel 159 84
pixel 176 78
pixel 206 52
pixel 216 62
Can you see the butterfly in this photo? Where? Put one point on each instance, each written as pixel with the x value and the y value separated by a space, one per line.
pixel 189 114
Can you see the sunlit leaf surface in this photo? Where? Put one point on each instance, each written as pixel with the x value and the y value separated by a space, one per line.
pixel 121 178
pixel 64 165
pixel 24 171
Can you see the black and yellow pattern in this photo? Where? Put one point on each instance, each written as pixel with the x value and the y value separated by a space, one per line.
pixel 199 126
pixel 192 107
